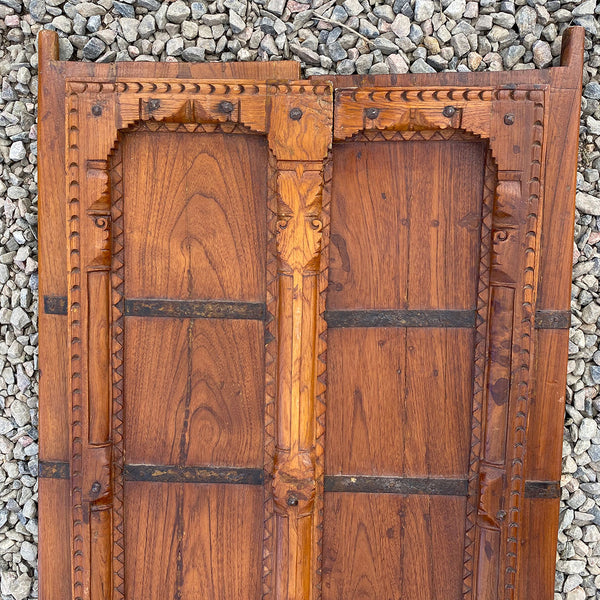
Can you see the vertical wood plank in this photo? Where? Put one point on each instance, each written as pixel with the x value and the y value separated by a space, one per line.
pixel 392 546
pixel 54 551
pixel 54 505
pixel 545 424
pixel 198 231
pixel 210 390
pixel 186 539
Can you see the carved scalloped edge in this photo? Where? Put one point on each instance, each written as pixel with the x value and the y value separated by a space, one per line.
pixel 74 281
pixel 479 364
pixel 321 373
pixel 182 86
pixel 159 125
pixel 270 378
pixel 441 94
pixel 118 404
pixel 519 432
pixel 424 135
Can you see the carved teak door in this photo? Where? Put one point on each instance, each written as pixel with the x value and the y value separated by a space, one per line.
pixel 303 319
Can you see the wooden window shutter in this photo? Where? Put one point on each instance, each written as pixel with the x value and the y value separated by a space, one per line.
pixel 302 339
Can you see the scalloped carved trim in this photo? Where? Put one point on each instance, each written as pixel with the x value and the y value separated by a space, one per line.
pixel 479 365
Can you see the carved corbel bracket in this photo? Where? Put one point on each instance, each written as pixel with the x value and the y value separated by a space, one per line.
pixel 299 226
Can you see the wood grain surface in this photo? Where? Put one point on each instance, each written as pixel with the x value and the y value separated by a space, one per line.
pixel 392 546
pixel 187 234
pixel 384 385
pixel 186 540
pixel 424 220
pixel 210 390
pixel 55 548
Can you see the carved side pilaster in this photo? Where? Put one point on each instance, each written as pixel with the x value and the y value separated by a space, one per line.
pixel 299 137
pixel 517 149
pixel 90 334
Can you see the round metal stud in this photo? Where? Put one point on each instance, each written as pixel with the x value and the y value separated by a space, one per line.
pixel 97 110
pixel 509 119
pixel 292 501
pixel 295 115
pixel 226 107
pixel 449 111
pixel 153 104
pixel 96 487
pixel 372 113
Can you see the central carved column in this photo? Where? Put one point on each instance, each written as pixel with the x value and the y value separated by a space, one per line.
pixel 300 136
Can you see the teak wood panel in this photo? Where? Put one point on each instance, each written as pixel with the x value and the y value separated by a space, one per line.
pixel 384 385
pixel 203 404
pixel 197 213
pixel 188 235
pixel 424 219
pixel 185 540
pixel 392 546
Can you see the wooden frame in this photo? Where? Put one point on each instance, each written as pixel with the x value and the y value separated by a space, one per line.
pixel 520 318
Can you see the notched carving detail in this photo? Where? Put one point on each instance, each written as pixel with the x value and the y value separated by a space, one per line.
pixel 491 511
pixel 294 484
pixel 479 370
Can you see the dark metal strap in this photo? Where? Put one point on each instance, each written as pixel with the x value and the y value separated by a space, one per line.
pixel 542 489
pixel 552 319
pixel 401 318
pixel 195 309
pixel 431 486
pixel 178 474
pixel 55 305
pixel 53 469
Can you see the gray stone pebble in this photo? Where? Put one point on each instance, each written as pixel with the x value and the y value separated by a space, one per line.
pixel 178 12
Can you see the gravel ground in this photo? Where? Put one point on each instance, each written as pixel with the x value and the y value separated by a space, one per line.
pixel 349 36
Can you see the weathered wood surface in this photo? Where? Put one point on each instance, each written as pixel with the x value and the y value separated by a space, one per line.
pixel 184 338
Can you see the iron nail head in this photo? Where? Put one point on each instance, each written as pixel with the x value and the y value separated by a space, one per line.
pixel 296 114
pixel 372 113
pixel 226 107
pixel 509 119
pixel 449 111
